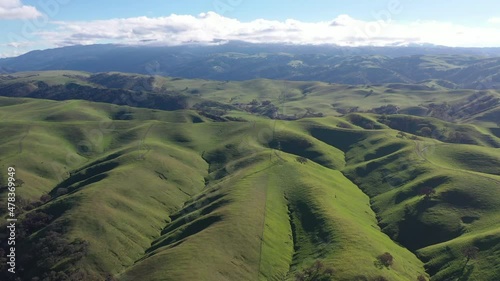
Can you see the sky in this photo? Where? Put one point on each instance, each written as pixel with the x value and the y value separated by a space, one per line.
pixel 27 25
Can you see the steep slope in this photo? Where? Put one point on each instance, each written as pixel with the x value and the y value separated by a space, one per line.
pixel 139 193
pixel 460 212
pixel 165 200
pixel 289 100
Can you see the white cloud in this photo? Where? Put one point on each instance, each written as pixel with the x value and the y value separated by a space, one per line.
pixel 18 44
pixel 495 20
pixel 212 28
pixel 9 54
pixel 14 9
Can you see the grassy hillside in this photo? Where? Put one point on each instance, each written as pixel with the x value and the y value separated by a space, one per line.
pixel 272 98
pixel 212 187
pixel 219 192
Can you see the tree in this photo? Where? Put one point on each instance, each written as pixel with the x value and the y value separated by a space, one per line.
pixel 471 253
pixel 421 278
pixel 62 191
pixel 401 135
pixel 425 131
pixel 386 259
pixel 301 160
pixel 344 125
pixel 254 102
pixel 427 192
pixel 316 272
pixel 45 198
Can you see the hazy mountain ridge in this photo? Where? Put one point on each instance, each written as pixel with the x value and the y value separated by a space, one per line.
pixel 473 68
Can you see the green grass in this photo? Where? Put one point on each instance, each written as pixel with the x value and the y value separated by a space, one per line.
pixel 175 196
pixel 293 98
pixel 467 157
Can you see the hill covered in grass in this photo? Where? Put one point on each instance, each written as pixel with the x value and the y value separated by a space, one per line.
pixel 246 181
pixel 275 99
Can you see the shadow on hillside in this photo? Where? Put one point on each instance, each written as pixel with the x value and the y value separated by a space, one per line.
pixel 185 231
pixel 341 139
pixel 466 272
pixel 495 131
pixel 311 223
pixel 415 234
pixel 363 171
pixel 195 210
pixel 85 177
pixel 459 198
pixel 433 183
pixel 384 150
pixel 299 147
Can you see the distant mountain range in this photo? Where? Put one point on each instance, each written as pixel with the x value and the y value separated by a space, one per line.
pixel 472 68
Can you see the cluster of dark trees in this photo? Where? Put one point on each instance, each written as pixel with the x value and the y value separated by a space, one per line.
pixel 424 128
pixel 213 110
pixel 116 96
pixel 43 251
pixel 120 81
pixel 318 271
pixel 475 104
pixel 264 108
pixel 386 109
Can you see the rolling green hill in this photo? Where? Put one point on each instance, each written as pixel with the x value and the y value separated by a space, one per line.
pixel 215 189
pixel 272 98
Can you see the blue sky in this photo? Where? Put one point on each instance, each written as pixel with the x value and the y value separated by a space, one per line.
pixel 39 24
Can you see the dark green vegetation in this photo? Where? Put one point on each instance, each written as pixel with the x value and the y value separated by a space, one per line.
pixel 424 66
pixel 252 180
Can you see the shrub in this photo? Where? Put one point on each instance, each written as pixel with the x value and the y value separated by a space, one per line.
pixel 386 259
pixel 425 131
pixel 45 198
pixel 316 272
pixel 401 135
pixel 471 253
pixel 33 222
pixel 301 160
pixel 62 191
pixel 344 125
pixel 33 205
pixel 427 192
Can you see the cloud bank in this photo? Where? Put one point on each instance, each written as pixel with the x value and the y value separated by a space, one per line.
pixel 211 27
pixel 14 9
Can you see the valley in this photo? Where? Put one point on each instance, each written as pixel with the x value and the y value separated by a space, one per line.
pixel 141 177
